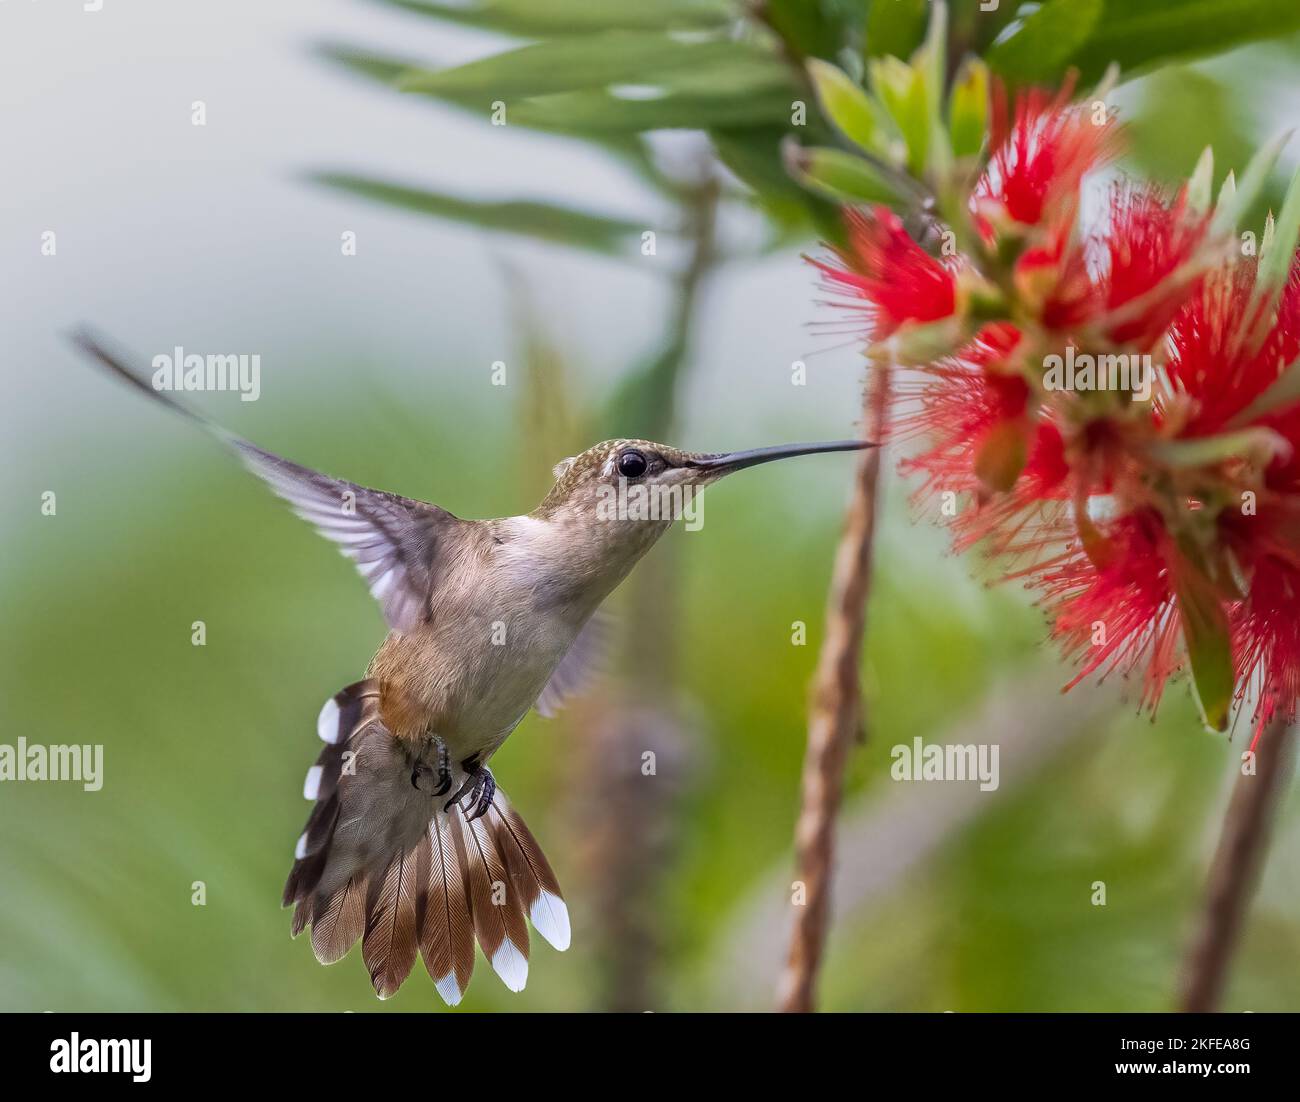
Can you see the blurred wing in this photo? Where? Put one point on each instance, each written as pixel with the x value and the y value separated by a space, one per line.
pixel 395 541
pixel 580 667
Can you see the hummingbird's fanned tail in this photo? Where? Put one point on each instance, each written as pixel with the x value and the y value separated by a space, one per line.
pixel 380 861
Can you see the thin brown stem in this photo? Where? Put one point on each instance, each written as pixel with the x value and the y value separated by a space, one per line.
pixel 1235 870
pixel 835 716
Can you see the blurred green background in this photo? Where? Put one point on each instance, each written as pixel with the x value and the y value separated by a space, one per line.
pixel 377 368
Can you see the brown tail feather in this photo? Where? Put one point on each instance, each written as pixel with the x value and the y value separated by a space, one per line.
pixel 447 928
pixel 345 717
pixel 335 928
pixel 392 935
pixel 530 873
pixel 498 911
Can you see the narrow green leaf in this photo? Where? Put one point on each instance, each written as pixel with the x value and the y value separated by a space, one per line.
pixel 1277 254
pixel 895 28
pixel 1257 444
pixel 1227 189
pixel 1282 392
pixel 812 28
pixel 534 219
pixel 969 108
pixel 754 157
pixel 838 175
pixel 1235 199
pixel 1040 48
pixel 1209 642
pixel 1200 186
pixel 902 90
pixel 545 17
pixel 846 105
pixel 1137 34
pixel 601 111
pixel 381 67
pixel 932 56
pixel 931 60
pixel 584 61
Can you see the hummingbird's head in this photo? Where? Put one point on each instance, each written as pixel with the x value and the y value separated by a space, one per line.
pixel 611 503
pixel 644 483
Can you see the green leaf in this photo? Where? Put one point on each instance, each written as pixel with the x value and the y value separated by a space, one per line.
pixel 1208 639
pixel 541 220
pixel 902 89
pixel 1235 198
pixel 1278 254
pixel 586 61
pixel 381 67
pixel 1040 48
pixel 1282 392
pixel 931 60
pixel 630 149
pixel 810 26
pixel 838 175
pixel 1137 34
pixel 969 108
pixel 1181 110
pixel 932 56
pixel 846 105
pixel 895 28
pixel 1200 186
pixel 1259 445
pixel 546 17
pixel 754 157
pixel 600 111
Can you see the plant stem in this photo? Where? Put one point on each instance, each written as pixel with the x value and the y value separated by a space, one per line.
pixel 835 715
pixel 1236 867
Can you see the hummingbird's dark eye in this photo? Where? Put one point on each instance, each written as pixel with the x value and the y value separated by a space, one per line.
pixel 632 464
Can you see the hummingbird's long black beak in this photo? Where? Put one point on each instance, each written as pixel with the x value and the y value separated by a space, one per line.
pixel 726 462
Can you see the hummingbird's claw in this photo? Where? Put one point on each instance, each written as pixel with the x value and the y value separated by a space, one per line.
pixel 487 790
pixel 443 768
pixel 479 787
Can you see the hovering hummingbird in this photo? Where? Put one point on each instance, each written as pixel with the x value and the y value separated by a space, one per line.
pixel 410 845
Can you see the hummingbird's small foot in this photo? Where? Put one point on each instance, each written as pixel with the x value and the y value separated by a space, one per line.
pixel 421 774
pixel 479 788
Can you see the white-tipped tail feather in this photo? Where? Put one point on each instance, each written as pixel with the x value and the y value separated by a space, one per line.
pixel 311 786
pixel 327 724
pixel 449 989
pixel 511 965
pixel 550 918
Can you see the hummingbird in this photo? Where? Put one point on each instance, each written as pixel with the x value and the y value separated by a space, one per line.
pixel 410 846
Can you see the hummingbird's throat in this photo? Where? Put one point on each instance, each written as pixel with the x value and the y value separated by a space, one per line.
pixel 640 502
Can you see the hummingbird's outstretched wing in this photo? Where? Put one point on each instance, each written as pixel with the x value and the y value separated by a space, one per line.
pixel 583 663
pixel 395 541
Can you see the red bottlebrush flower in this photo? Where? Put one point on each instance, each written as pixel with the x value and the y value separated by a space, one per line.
pixel 1039 159
pixel 973 411
pixel 956 404
pixel 899 280
pixel 1132 278
pixel 1213 366
pixel 1130 519
pixel 1119 612
pixel 1266 636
